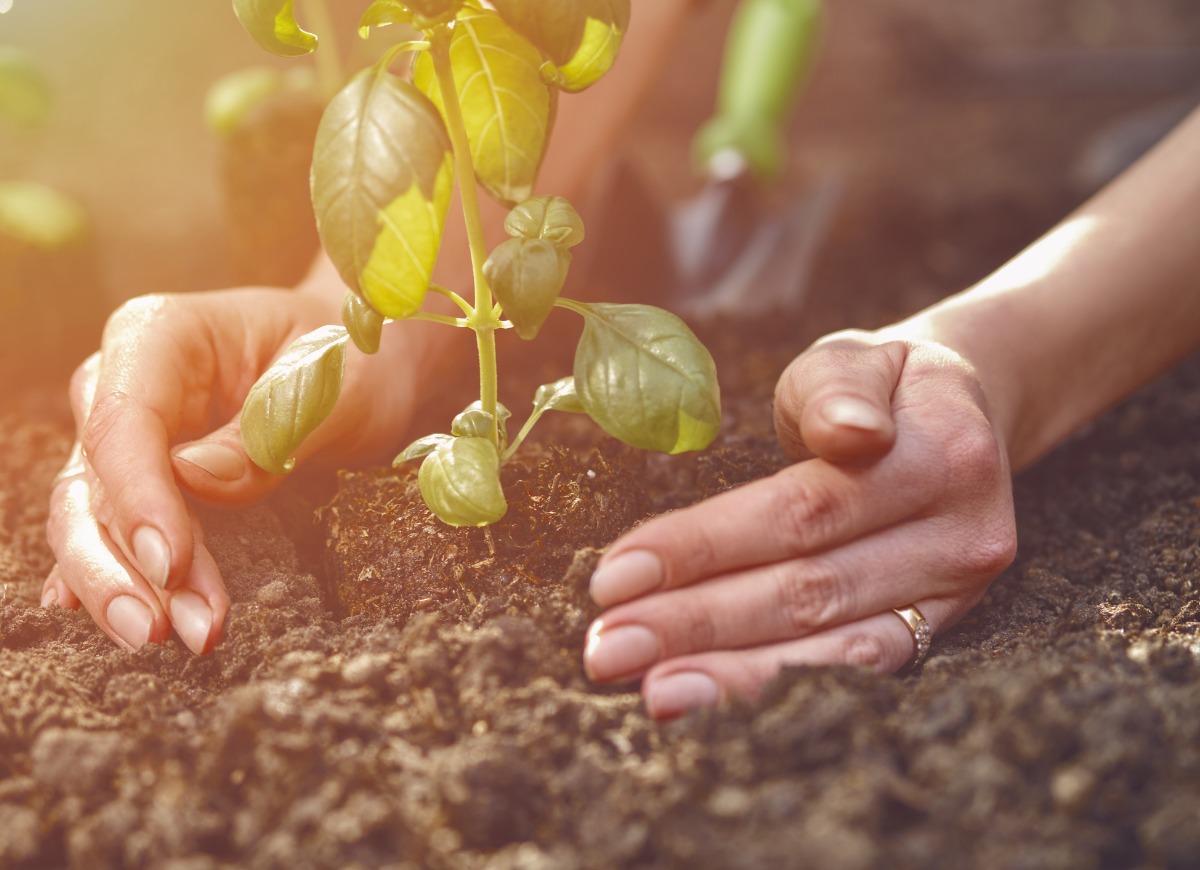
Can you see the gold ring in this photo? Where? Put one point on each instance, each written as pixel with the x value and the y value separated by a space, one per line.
pixel 922 635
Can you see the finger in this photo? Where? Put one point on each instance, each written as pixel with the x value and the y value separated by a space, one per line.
pixel 217 468
pixel 129 404
pixel 880 643
pixel 198 608
pixel 834 401
pixel 788 600
pixel 804 508
pixel 97 573
pixel 56 592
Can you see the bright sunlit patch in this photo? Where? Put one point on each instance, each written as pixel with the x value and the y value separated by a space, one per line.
pixel 5 5
pixel 1042 257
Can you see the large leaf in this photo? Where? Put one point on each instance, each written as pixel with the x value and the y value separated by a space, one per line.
pixel 293 397
pixel 646 379
pixel 506 104
pixel 460 482
pixel 581 37
pixel 25 96
pixel 383 173
pixel 273 25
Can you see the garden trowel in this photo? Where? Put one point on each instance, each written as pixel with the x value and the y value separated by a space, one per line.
pixel 725 249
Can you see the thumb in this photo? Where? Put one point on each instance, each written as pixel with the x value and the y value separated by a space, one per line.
pixel 835 400
pixel 217 468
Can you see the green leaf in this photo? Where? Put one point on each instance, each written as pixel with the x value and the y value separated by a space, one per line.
pixel 39 216
pixel 460 482
pixel 646 379
pixel 381 13
pixel 527 275
pixel 25 97
pixel 293 397
pixel 507 106
pixel 363 322
pixel 546 217
pixel 581 37
pixel 233 96
pixel 477 423
pixel 273 25
pixel 382 177
pixel 420 14
pixel 558 395
pixel 421 448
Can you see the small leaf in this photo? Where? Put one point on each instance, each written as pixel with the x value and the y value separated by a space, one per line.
pixel 527 276
pixel 293 397
pixel 460 482
pixel 419 14
pixel 506 104
pixel 646 379
pixel 231 97
pixel 40 217
pixel 546 217
pixel 581 37
pixel 363 322
pixel 477 423
pixel 273 25
pixel 25 96
pixel 421 448
pixel 381 13
pixel 558 395
pixel 382 177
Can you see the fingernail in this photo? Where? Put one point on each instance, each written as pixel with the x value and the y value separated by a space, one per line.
pixel 50 597
pixel 675 694
pixel 846 411
pixel 192 618
pixel 625 651
pixel 131 620
pixel 627 576
pixel 153 555
pixel 220 461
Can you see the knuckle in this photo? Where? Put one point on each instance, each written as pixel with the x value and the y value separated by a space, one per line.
pixel 805 601
pixel 972 454
pixel 993 552
pixel 804 511
pixel 135 314
pixel 699 629
pixel 862 649
pixel 103 420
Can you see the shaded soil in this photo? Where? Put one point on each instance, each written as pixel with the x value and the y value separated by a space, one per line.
pixel 394 693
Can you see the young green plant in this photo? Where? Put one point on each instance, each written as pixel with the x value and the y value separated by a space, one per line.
pixel 477 109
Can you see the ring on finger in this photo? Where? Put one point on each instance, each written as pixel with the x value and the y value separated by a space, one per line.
pixel 922 635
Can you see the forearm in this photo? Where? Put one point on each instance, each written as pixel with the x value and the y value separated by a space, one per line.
pixel 1100 305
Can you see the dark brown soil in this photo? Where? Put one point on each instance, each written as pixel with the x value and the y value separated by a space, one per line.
pixel 394 693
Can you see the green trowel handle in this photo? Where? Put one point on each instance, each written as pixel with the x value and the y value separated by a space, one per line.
pixel 768 55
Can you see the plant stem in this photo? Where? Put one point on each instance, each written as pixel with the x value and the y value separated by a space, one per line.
pixel 329 58
pixel 440 318
pixel 483 320
pixel 462 304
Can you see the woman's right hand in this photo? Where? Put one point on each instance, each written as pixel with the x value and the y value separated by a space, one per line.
pixel 156 413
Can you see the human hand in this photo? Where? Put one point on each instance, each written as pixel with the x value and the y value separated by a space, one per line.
pixel 901 495
pixel 156 412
